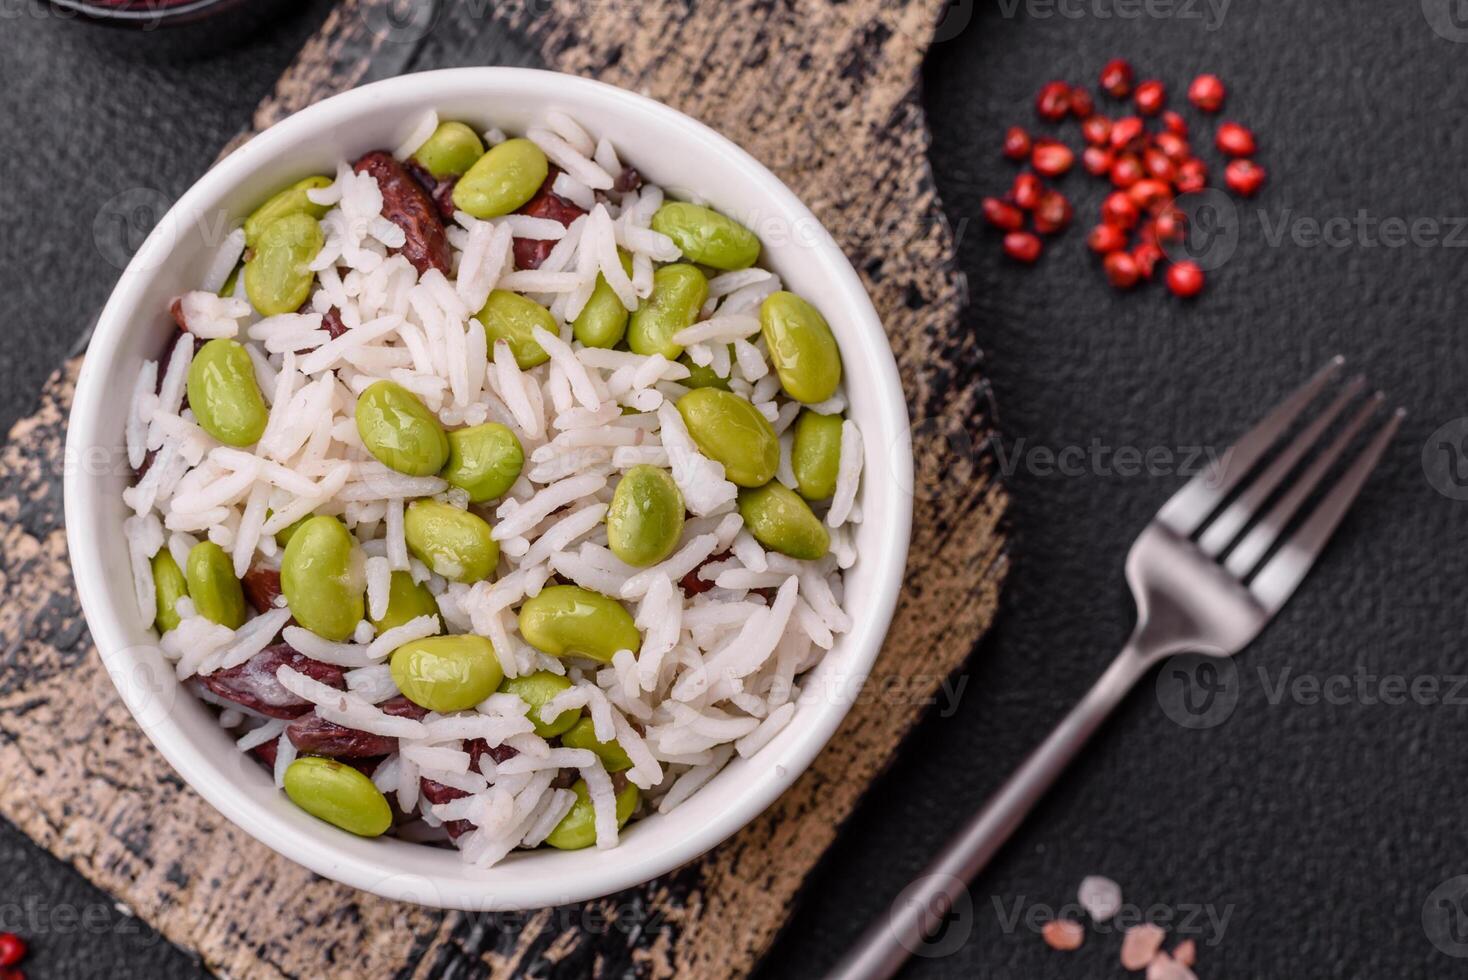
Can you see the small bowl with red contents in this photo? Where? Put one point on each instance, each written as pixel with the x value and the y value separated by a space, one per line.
pixel 176 28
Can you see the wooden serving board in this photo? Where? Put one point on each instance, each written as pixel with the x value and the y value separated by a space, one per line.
pixel 826 95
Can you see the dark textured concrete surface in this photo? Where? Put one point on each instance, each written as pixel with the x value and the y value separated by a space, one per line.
pixel 1304 836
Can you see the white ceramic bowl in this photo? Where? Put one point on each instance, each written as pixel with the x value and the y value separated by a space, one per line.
pixel 672 150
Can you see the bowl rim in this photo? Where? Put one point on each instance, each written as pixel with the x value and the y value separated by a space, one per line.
pixel 339 860
pixel 179 13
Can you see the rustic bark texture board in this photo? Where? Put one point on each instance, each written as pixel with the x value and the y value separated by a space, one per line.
pixel 827 96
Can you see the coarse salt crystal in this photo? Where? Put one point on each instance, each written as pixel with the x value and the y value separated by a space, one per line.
pixel 1100 897
pixel 1063 934
pixel 1140 946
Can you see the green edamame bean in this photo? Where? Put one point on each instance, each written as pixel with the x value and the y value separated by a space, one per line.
pixel 678 293
pixel 707 237
pixel 283 536
pixel 602 322
pixel 169 586
pixel 406 600
pixel 502 180
pixel 292 200
pixel 782 521
pixel 277 279
pixel 454 543
pixel 729 429
pixel 582 735
pixel 577 828
pixel 447 673
pixel 701 376
pixel 646 516
pixel 484 460
pixel 224 394
pixel 217 594
pixel 227 290
pixel 339 794
pixel 450 151
pixel 513 318
pixel 537 690
pixel 802 347
pixel 569 621
pixel 398 429
pixel 815 454
pixel 322 578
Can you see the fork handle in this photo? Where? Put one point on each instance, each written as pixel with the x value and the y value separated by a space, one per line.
pixel 927 901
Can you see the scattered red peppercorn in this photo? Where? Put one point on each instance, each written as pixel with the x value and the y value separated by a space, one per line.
pixel 1026 191
pixel 1017 144
pixel 1126 131
pixel 1120 210
pixel 1022 246
pixel 1146 256
pixel 1147 169
pixel 1126 171
pixel 12 949
pixel 1121 270
pixel 1235 140
pixel 1243 177
pixel 1106 238
pixel 1207 93
pixel 1002 214
pixel 1172 146
pixel 1192 176
pixel 1168 225
pixel 1149 192
pixel 1150 97
pixel 1096 160
pixel 1053 102
pixel 1051 158
pixel 1185 279
pixel 1159 165
pixel 1116 78
pixel 1053 213
pixel 1096 130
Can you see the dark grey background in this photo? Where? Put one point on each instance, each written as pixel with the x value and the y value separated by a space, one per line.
pixel 1317 832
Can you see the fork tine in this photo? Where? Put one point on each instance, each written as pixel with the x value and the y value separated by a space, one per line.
pixel 1281 574
pixel 1187 508
pixel 1241 560
pixel 1227 525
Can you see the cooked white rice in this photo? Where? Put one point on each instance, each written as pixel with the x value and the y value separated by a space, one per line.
pixel 718 665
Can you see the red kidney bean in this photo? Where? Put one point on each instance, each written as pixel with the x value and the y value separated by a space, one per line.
pixel 530 252
pixel 315 735
pixel 692 585
pixel 406 204
pixel 262 587
pixel 627 181
pixel 441 191
pixel 253 684
pixel 332 323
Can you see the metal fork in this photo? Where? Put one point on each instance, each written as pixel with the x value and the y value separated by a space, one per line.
pixel 1194 593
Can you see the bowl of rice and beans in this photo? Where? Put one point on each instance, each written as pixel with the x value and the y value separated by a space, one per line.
pixel 514 495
